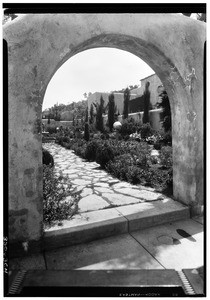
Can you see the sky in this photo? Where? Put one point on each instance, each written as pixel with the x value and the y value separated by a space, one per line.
pixel 94 70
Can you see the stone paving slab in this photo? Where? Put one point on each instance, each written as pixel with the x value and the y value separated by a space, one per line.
pixel 117 252
pixel 120 199
pixel 91 203
pixel 177 245
pixel 140 194
pixel 103 190
pixel 86 192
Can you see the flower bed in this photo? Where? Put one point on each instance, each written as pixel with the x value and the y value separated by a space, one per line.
pixel 128 160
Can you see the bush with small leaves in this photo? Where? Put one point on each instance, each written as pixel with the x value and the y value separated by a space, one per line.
pixel 58 203
pixel 166 159
pixel 146 130
pixel 90 152
pixel 47 158
pixel 51 129
pixel 104 154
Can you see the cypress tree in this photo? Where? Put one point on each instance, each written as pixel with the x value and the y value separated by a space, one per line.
pixel 48 119
pixel 166 114
pixel 146 103
pixel 111 111
pixel 87 134
pixel 126 103
pixel 99 115
pixel 91 114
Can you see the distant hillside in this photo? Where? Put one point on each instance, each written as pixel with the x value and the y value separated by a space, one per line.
pixel 67 112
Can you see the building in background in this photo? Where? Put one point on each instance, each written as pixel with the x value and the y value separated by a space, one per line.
pixel 136 103
pixel 118 98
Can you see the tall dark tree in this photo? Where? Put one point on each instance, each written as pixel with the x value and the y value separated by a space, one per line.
pixel 166 113
pixel 57 116
pixel 91 114
pixel 99 115
pixel 146 103
pixel 126 103
pixel 111 111
pixel 87 134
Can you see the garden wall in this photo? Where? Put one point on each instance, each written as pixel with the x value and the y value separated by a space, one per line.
pixel 54 123
pixel 154 117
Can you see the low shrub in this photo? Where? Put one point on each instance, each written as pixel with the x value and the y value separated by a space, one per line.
pixel 51 129
pixel 66 139
pixel 47 158
pixel 104 154
pixel 119 166
pixel 60 139
pixel 79 147
pixel 90 152
pixel 56 205
pixel 146 130
pixel 135 136
pixel 165 138
pixel 128 127
pixel 166 159
pixel 157 146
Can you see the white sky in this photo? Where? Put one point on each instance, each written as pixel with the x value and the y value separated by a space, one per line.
pixel 94 70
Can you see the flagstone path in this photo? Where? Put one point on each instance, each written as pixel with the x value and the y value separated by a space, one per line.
pixel 98 189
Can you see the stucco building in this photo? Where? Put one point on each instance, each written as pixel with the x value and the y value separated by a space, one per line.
pixel 136 103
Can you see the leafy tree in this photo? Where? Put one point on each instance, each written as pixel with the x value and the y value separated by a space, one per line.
pixel 131 87
pixel 86 95
pixel 146 103
pixel 166 113
pixel 111 111
pixel 126 103
pixel 99 115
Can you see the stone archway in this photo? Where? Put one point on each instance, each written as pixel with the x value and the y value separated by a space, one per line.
pixel 173 46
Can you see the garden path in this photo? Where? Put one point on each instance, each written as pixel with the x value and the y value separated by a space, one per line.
pixel 98 189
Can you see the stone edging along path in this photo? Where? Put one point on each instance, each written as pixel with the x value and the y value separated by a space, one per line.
pixel 106 201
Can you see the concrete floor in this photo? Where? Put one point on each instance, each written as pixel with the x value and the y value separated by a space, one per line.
pixel 175 245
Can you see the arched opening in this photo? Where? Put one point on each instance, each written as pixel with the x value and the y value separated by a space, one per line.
pixel 134 69
pixel 162 66
pixel 39 45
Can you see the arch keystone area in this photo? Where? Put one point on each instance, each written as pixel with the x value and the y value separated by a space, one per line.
pixel 172 45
